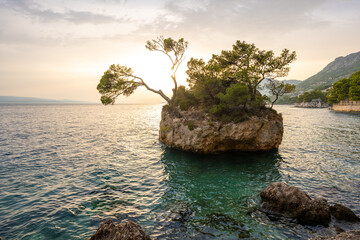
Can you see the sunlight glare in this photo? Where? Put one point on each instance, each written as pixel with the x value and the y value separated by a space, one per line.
pixel 155 69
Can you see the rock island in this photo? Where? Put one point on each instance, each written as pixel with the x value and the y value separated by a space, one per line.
pixel 221 109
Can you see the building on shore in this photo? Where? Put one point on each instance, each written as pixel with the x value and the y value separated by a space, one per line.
pixel 347 106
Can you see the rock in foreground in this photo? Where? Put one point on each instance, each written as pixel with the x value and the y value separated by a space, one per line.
pixel 281 199
pixel 196 132
pixel 349 235
pixel 124 231
pixel 341 212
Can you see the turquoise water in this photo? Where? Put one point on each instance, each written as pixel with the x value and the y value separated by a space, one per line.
pixel 66 168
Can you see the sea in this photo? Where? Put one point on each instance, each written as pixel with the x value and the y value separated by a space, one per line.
pixel 64 169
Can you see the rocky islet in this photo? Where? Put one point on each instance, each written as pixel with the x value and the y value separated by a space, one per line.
pixel 196 132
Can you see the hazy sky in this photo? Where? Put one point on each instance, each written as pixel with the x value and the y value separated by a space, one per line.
pixel 60 48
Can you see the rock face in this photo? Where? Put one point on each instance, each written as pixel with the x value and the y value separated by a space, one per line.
pixel 198 133
pixel 289 201
pixel 280 199
pixel 349 235
pixel 124 231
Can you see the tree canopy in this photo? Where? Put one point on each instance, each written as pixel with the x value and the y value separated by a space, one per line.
pixel 278 89
pixel 309 96
pixel 245 63
pixel 226 86
pixel 345 89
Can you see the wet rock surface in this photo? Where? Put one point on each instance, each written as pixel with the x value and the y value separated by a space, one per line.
pixel 315 212
pixel 127 230
pixel 283 200
pixel 349 235
pixel 289 201
pixel 226 223
pixel 341 212
pixel 197 132
pixel 179 211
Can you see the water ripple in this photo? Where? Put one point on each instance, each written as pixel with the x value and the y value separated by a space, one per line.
pixel 66 168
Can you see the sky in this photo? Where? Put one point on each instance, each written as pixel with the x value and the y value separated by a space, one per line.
pixel 59 49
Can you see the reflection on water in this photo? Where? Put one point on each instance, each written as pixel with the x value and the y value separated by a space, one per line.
pixel 66 168
pixel 215 189
pixel 321 153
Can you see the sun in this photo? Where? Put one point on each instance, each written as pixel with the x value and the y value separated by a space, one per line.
pixel 155 69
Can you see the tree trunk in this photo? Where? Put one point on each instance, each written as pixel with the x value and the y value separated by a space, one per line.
pixel 272 104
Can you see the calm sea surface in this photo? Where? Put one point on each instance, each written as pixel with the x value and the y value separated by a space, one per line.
pixel 66 168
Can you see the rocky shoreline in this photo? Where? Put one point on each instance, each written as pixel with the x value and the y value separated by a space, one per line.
pixel 277 199
pixel 197 132
pixel 315 103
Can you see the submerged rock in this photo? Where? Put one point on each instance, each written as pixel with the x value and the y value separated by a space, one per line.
pixel 226 223
pixel 341 212
pixel 349 235
pixel 288 201
pixel 196 132
pixel 178 211
pixel 124 231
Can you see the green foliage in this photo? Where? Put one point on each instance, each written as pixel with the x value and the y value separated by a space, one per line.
pixel 309 96
pixel 226 86
pixel 232 103
pixel 236 95
pixel 278 89
pixel 354 90
pixel 247 64
pixel 355 79
pixel 345 89
pixel 190 124
pixel 107 100
pixel 165 128
pixel 260 101
pixel 168 46
pixel 185 98
pixel 217 110
pixel 117 80
pixel 206 91
pixel 354 93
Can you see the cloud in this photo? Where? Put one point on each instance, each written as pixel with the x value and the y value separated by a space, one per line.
pixel 34 10
pixel 245 17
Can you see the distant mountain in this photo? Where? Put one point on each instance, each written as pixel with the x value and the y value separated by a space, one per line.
pixel 341 67
pixel 28 100
pixel 292 81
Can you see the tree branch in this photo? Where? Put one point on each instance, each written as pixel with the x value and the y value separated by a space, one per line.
pixel 142 82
